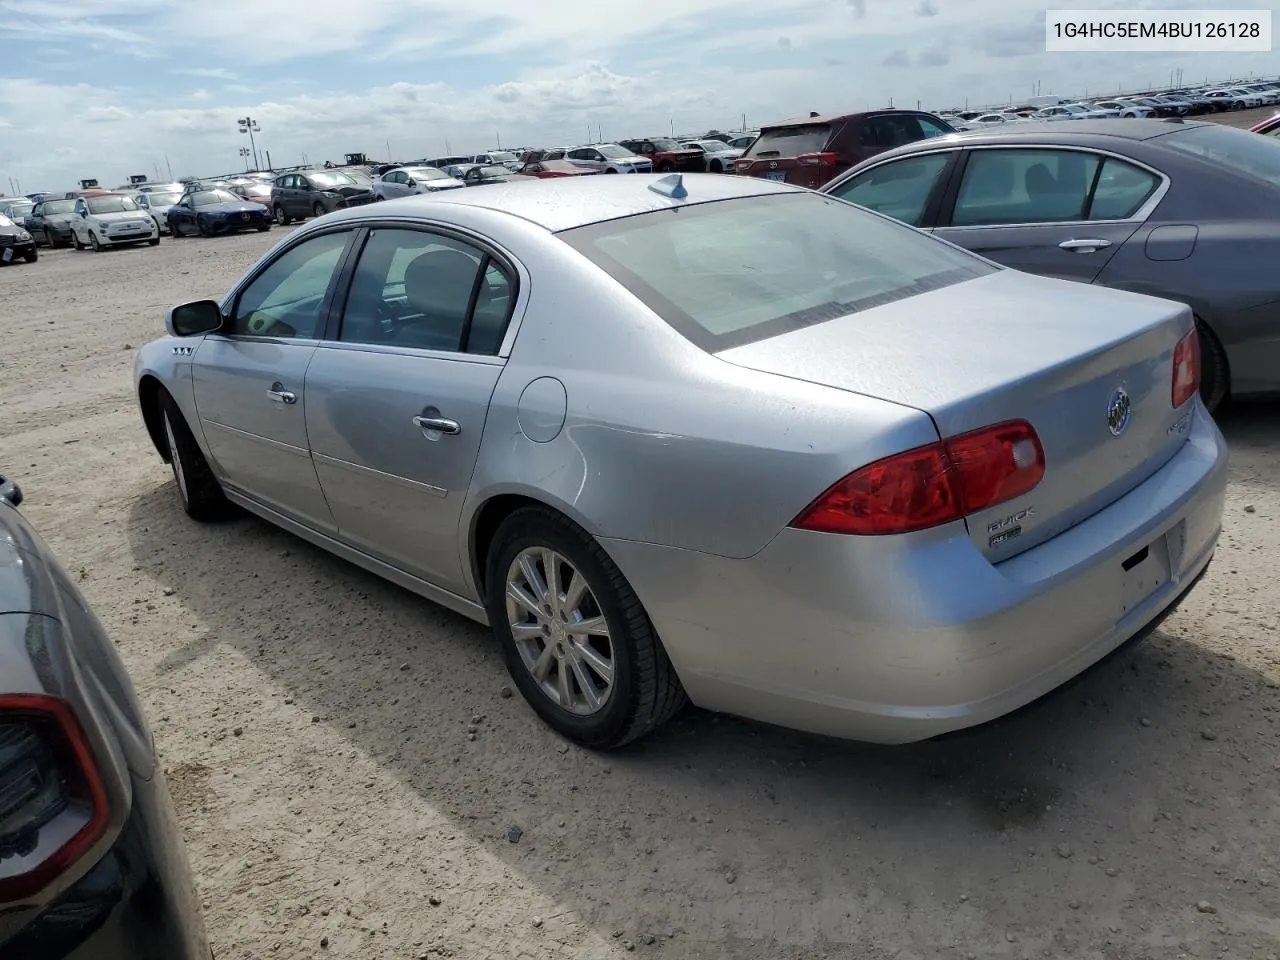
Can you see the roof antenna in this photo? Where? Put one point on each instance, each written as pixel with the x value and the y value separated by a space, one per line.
pixel 672 186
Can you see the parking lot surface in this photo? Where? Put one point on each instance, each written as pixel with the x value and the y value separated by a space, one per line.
pixel 355 780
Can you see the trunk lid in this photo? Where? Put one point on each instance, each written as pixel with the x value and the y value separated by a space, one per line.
pixel 1012 346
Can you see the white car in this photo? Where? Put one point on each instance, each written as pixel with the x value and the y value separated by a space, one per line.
pixel 111 220
pixel 406 181
pixel 992 119
pixel 607 158
pixel 1234 99
pixel 1074 111
pixel 720 155
pixel 1125 108
pixel 157 204
pixel 499 158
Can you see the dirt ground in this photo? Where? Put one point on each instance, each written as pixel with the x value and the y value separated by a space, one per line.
pixel 315 724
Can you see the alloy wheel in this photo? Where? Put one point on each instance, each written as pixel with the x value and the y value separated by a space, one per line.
pixel 560 631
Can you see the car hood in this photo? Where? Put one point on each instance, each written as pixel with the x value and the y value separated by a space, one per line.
pixel 240 206
pixel 350 190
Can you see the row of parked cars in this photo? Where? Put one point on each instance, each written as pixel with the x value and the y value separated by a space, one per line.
pixel 1175 103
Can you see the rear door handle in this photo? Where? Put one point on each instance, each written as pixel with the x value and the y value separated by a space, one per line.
pixel 1084 246
pixel 279 394
pixel 438 425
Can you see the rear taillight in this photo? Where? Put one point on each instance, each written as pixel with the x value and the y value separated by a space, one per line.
pixel 820 159
pixel 931 485
pixel 53 807
pixel 1186 368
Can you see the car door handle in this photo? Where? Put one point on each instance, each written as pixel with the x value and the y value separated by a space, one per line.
pixel 1084 246
pixel 438 424
pixel 279 394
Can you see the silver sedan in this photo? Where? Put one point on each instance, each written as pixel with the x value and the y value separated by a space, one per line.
pixel 711 438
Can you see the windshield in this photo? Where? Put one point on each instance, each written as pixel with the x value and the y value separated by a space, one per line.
pixel 493 172
pixel 326 180
pixel 111 204
pixel 207 198
pixel 1230 148
pixel 427 173
pixel 53 207
pixel 20 209
pixel 665 146
pixel 162 199
pixel 733 272
pixel 614 152
pixel 255 190
pixel 501 156
pixel 791 141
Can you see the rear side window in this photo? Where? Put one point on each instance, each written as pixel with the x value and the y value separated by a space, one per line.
pixel 1121 191
pixel 791 141
pixel 737 271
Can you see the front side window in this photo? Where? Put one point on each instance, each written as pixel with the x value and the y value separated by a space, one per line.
pixel 286 299
pixel 738 271
pixel 900 189
pixel 426 291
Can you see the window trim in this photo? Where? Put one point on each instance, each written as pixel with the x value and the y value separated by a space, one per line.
pixel 937 195
pixel 1139 216
pixel 490 252
pixel 229 303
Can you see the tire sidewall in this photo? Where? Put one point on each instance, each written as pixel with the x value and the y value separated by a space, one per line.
pixel 532 528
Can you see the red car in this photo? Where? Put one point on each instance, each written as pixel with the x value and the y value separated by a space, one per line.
pixel 1269 127
pixel 809 151
pixel 547 169
pixel 667 155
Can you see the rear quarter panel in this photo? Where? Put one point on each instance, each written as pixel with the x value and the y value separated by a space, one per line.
pixel 661 442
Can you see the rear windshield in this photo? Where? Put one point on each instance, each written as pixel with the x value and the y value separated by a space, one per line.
pixel 737 271
pixel 1231 149
pixel 791 141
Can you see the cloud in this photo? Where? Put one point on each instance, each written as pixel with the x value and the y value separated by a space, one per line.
pixel 784 43
pixel 106 115
pixel 859 8
pixel 201 95
pixel 1019 40
pixel 211 73
pixel 926 8
pixel 935 55
pixel 899 58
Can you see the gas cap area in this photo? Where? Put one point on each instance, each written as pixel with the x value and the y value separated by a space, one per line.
pixel 541 410
pixel 1173 241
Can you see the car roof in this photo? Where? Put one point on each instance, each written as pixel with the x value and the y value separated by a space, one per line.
pixel 1052 132
pixel 568 202
pixel 829 118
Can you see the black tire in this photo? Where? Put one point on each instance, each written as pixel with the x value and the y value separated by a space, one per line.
pixel 717 166
pixel 665 167
pixel 264 227
pixel 318 209
pixel 202 227
pixel 32 255
pixel 201 495
pixel 1215 376
pixel 282 218
pixel 50 239
pixel 154 241
pixel 75 241
pixel 646 691
pixel 95 242
pixel 611 171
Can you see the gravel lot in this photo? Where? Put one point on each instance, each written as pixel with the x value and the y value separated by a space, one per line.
pixel 316 726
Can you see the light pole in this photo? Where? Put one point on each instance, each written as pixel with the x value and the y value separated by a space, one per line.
pixel 250 126
pixel 246 153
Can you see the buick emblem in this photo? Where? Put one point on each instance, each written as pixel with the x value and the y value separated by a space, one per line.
pixel 1119 409
pixel 773 164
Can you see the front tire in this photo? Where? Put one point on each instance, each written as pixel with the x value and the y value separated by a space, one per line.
pixel 32 255
pixel 154 241
pixel 201 495
pixel 576 640
pixel 318 209
pixel 95 242
pixel 202 227
pixel 49 239
pixel 75 241
pixel 282 218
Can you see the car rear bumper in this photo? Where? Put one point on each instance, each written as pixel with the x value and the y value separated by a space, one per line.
pixel 136 903
pixel 904 638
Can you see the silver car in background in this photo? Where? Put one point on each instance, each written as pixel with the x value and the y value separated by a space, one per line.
pixel 706 436
pixel 408 181
pixel 157 204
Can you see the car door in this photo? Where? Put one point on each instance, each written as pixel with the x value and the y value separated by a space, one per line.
pixel 909 188
pixel 249 379
pixel 182 215
pixel 396 403
pixel 1053 211
pixel 80 220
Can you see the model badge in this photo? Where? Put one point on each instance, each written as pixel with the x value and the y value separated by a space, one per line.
pixel 183 351
pixel 1119 410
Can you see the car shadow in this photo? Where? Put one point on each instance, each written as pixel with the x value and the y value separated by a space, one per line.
pixel 714 830
pixel 1253 436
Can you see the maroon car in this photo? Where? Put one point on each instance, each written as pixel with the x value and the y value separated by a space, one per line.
pixel 550 169
pixel 1270 127
pixel 667 155
pixel 809 151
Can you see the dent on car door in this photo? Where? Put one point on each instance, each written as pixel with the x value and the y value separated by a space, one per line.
pixel 396 405
pixel 249 380
pixel 1054 212
pixel 909 189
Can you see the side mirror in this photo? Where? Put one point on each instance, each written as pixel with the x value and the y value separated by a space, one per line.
pixel 10 492
pixel 193 319
pixel 411 183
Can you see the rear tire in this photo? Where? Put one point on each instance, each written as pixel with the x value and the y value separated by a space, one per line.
pixel 643 691
pixel 282 218
pixel 198 489
pixel 1215 376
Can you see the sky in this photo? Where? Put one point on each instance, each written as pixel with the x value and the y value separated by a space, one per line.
pixel 109 88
